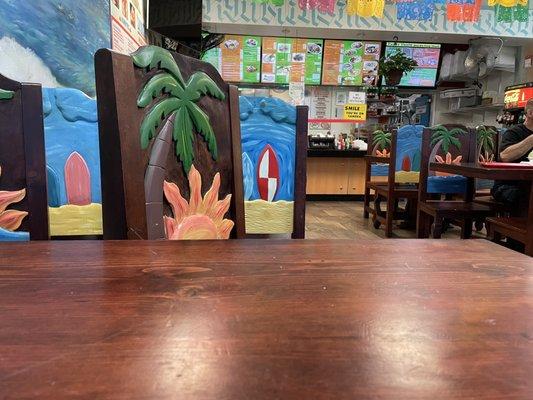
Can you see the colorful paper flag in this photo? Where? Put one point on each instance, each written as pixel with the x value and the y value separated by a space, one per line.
pixel 420 10
pixel 366 8
pixel 463 10
pixel 324 6
pixel 518 12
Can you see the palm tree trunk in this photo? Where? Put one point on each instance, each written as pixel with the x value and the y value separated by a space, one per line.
pixel 154 178
pixel 432 159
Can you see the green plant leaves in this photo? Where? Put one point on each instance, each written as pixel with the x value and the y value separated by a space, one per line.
pixel 157 57
pixel 201 84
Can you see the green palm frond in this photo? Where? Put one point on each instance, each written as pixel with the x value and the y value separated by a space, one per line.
pixel 201 122
pixel 155 116
pixel 485 138
pixel 6 94
pixel 157 85
pixel 184 137
pixel 156 57
pixel 201 84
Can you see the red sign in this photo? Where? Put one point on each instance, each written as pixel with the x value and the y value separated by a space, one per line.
pixel 517 98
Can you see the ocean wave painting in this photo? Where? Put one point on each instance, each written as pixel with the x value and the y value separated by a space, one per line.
pixel 70 125
pixel 53 42
pixel 268 121
pixel 8 236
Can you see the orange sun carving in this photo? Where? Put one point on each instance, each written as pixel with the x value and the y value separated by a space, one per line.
pixel 440 160
pixel 383 153
pixel 11 219
pixel 200 218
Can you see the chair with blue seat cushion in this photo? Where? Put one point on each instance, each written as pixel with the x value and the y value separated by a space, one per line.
pixel 451 144
pixel 400 149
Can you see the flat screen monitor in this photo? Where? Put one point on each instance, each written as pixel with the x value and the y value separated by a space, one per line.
pixel 427 56
pixel 287 60
pixel 350 63
pixel 237 59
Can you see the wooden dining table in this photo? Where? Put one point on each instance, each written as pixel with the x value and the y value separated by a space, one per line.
pixel 258 319
pixel 516 173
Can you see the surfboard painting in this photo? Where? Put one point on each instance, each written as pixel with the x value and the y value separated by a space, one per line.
pixel 77 180
pixel 268 174
pixel 268 137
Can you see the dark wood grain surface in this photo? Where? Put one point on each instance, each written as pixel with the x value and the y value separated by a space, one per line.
pixel 474 170
pixel 255 319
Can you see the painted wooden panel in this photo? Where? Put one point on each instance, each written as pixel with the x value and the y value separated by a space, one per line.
pixel 268 133
pixel 77 180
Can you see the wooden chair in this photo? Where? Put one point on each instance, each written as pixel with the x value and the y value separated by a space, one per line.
pixel 274 145
pixel 23 198
pixel 487 149
pixel 403 175
pixel 449 143
pixel 169 129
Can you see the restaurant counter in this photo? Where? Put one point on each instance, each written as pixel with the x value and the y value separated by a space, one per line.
pixel 333 173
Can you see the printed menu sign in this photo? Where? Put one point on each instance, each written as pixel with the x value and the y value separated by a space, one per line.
pixel 288 60
pixel 127 25
pixel 237 59
pixel 349 63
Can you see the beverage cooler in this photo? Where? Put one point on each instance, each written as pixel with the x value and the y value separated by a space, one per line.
pixel 516 97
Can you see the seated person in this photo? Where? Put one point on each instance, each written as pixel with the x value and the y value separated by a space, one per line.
pixel 516 145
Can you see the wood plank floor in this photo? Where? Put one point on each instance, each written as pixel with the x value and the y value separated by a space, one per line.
pixel 344 220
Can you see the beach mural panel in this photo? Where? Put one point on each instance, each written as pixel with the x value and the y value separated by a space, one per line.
pixel 268 132
pixel 408 155
pixel 59 54
pixel 73 162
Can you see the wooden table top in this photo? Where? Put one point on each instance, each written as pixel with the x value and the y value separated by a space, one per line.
pixel 474 170
pixel 251 319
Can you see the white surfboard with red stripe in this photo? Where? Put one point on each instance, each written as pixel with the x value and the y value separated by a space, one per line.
pixel 268 174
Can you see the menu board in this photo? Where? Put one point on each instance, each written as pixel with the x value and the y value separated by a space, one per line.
pixel 349 63
pixel 288 60
pixel 237 59
pixel 426 55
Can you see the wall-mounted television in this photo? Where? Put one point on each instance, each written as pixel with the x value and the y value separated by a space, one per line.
pixel 350 63
pixel 287 60
pixel 237 59
pixel 427 55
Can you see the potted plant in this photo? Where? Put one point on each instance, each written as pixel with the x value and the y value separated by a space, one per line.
pixel 393 66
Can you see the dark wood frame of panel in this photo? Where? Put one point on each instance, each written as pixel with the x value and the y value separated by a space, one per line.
pixel 22 117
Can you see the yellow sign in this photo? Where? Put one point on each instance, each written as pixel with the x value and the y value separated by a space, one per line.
pixel 356 112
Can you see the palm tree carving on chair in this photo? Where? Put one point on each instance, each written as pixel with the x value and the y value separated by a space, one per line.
pixel 178 118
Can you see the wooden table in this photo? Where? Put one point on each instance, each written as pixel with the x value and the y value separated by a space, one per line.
pixel 383 319
pixel 472 170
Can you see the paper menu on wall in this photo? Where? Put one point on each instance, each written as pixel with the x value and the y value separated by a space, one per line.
pixel 237 59
pixel 349 63
pixel 320 103
pixel 286 60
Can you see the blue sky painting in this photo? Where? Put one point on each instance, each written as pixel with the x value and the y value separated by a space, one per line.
pixel 58 38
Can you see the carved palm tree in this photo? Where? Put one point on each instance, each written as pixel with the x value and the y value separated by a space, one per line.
pixel 381 140
pixel 485 141
pixel 446 138
pixel 6 94
pixel 177 116
pixel 175 106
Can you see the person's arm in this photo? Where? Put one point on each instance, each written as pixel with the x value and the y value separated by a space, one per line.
pixel 516 151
